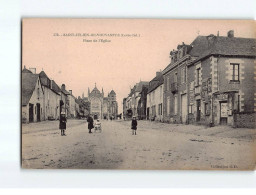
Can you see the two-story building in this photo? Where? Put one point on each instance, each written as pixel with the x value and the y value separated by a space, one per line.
pixel 155 98
pixel 51 97
pixel 175 100
pixel 222 82
pixel 32 97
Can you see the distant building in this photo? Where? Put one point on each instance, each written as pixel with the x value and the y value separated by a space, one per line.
pixel 32 97
pixel 155 98
pixel 132 101
pixel 71 105
pixel 64 100
pixel 101 107
pixel 142 103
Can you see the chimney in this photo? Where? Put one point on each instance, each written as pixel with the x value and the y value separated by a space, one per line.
pixel 158 73
pixel 33 70
pixel 51 83
pixel 63 87
pixel 70 91
pixel 231 34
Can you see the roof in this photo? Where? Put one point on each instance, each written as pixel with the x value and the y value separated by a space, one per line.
pixel 55 87
pixel 28 86
pixel 112 92
pixel 26 70
pixel 204 46
pixel 156 82
pixel 95 90
pixel 45 81
pixel 230 46
pixel 65 91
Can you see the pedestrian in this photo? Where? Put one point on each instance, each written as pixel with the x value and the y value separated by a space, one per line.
pixel 134 125
pixel 90 123
pixel 63 121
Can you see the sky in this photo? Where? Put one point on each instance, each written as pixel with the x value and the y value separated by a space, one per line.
pixel 135 49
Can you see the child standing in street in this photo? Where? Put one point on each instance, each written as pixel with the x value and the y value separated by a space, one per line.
pixel 134 125
pixel 63 122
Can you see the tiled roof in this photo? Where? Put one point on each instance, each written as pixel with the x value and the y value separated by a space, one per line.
pixel 204 46
pixel 55 87
pixel 156 82
pixel 45 81
pixel 28 86
pixel 230 46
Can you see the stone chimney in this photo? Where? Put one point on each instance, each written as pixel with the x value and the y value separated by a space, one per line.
pixel 70 91
pixel 63 87
pixel 51 81
pixel 231 34
pixel 158 73
pixel 33 70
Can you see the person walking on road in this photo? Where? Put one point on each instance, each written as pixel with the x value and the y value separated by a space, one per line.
pixel 134 125
pixel 63 121
pixel 90 123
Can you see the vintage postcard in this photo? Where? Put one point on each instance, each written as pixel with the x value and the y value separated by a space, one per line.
pixel 144 94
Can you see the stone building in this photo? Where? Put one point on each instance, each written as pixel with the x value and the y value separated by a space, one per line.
pixel 132 101
pixel 101 107
pixel 212 82
pixel 155 98
pixel 175 109
pixel 32 97
pixel 51 97
pixel 222 82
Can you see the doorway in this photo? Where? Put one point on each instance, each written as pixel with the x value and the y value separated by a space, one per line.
pixel 198 110
pixel 223 113
pixel 31 112
pixel 184 108
pixel 38 113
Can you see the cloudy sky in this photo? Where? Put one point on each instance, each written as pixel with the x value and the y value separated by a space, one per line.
pixel 118 64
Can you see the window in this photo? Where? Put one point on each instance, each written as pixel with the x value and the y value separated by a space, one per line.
pixel 175 105
pixel 235 72
pixel 167 84
pixel 183 75
pixel 206 109
pixel 160 109
pixel 197 76
pixel 176 77
pixel 168 106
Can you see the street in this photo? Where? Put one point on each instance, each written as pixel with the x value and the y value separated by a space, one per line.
pixel 156 146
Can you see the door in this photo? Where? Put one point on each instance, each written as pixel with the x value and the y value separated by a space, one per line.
pixel 147 113
pixel 38 113
pixel 184 108
pixel 31 112
pixel 198 110
pixel 223 113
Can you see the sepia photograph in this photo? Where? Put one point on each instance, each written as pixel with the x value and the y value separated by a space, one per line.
pixel 138 94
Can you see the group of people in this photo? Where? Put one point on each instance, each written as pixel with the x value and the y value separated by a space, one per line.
pixel 91 124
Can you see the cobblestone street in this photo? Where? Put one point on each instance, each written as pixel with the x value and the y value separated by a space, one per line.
pixel 156 146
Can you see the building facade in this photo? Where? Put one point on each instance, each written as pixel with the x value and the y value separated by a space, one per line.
pixel 155 98
pixel 32 97
pixel 51 97
pixel 222 83
pixel 102 107
pixel 132 101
